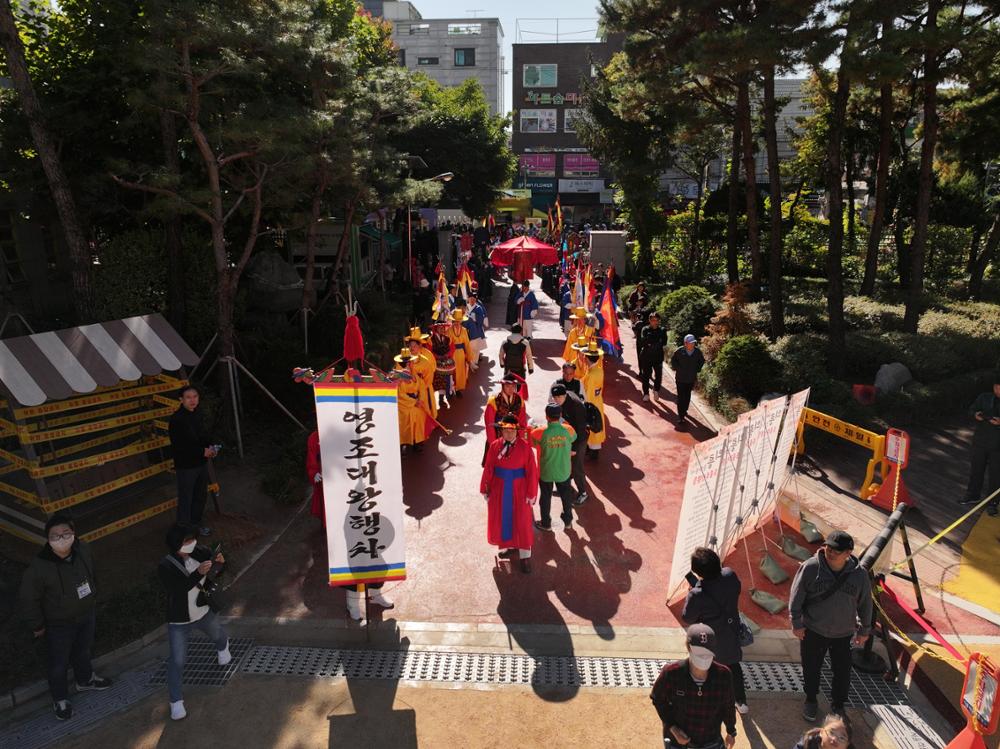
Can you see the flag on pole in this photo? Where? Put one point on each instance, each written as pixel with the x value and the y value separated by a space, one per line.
pixel 588 287
pixel 552 223
pixel 578 290
pixel 559 223
pixel 442 307
pixel 610 339
pixel 464 280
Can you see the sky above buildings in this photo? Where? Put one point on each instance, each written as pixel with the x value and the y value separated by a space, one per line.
pixel 528 16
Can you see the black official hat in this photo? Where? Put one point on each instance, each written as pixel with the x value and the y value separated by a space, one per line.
pixel 558 389
pixel 508 420
pixel 509 379
pixel 553 410
pixel 839 541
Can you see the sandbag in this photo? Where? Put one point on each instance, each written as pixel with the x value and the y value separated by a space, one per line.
pixel 772 570
pixel 768 602
pixel 754 626
pixel 793 550
pixel 809 532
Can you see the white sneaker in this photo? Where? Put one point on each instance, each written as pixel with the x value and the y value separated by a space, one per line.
pixel 742 708
pixel 177 711
pixel 224 655
pixel 645 398
pixel 656 397
pixel 354 605
pixel 376 597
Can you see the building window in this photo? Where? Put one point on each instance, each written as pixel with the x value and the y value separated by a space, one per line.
pixel 538 121
pixel 401 57
pixel 465 57
pixel 580 165
pixel 540 76
pixel 13 273
pixel 569 116
pixel 428 61
pixel 419 28
pixel 465 29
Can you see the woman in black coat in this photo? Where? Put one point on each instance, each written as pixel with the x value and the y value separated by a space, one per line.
pixel 714 599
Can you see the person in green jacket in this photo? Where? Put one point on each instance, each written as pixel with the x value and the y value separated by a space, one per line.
pixel 985 447
pixel 555 455
pixel 58 599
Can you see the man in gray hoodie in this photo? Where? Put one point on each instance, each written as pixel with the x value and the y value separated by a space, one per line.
pixel 831 609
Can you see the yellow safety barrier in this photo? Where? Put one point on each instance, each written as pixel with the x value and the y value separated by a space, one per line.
pixel 79 447
pixel 99 459
pixel 97 491
pixel 109 395
pixel 95 426
pixel 855 434
pixel 125 522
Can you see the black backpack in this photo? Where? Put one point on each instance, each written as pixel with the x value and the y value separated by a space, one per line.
pixel 595 422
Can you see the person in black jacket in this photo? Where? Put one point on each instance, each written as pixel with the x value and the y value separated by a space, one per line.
pixel 191 448
pixel 569 380
pixel 182 573
pixel 58 597
pixel 686 362
pixel 714 599
pixel 574 411
pixel 652 339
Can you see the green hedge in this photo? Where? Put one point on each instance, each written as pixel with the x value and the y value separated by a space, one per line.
pixel 745 368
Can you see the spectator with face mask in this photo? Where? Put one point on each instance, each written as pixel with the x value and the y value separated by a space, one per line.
pixel 58 598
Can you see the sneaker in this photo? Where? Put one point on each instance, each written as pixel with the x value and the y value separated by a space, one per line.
pixel 177 711
pixel 645 397
pixel 204 531
pixel 742 708
pixel 225 656
pixel 96 683
pixel 567 523
pixel 656 397
pixel 967 501
pixel 376 598
pixel 810 710
pixel 581 498
pixel 839 710
pixel 64 710
pixel 539 525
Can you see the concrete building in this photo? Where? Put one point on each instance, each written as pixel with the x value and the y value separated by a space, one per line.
pixel 548 84
pixel 448 50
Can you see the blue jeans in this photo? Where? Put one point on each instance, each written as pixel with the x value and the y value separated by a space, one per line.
pixel 68 645
pixel 178 635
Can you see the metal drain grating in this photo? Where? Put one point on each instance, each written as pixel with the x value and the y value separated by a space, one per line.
pixel 89 708
pixel 202 665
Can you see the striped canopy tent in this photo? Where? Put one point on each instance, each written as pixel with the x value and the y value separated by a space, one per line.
pixel 84 417
pixel 541 253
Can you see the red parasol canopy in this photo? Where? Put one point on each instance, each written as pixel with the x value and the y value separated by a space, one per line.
pixel 542 254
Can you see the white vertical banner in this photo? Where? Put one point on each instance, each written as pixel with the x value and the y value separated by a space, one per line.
pixel 358 425
pixel 789 428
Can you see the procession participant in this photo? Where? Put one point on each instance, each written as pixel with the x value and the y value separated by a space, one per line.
pixel 593 389
pixel 314 474
pixel 555 466
pixel 413 410
pixel 508 402
pixel 513 311
pixel 510 487
pixel 424 367
pixel 515 353
pixel 686 362
pixel 569 379
pixel 578 333
pixel 565 305
pixel 444 362
pixel 650 342
pixel 637 299
pixel 476 323
pixel 574 413
pixel 528 304
pixel 459 338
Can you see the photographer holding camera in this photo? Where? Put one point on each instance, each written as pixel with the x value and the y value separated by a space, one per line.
pixel 191 602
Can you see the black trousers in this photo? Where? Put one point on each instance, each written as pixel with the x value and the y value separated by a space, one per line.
pixel 654 369
pixel 192 493
pixel 813 649
pixel 683 398
pixel 739 688
pixel 579 478
pixel 983 461
pixel 68 645
pixel 565 490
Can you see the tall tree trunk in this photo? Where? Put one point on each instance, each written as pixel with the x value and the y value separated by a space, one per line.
pixel 902 251
pixel 881 186
pixel 176 302
pixel 834 258
pixel 732 219
pixel 918 248
pixel 48 154
pixel 988 253
pixel 745 123
pixel 852 239
pixel 696 233
pixel 774 178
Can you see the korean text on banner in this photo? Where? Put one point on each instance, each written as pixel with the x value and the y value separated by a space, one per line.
pixel 358 427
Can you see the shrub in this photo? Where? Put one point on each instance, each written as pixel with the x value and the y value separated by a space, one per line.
pixel 693 317
pixel 744 367
pixel 868 314
pixel 672 303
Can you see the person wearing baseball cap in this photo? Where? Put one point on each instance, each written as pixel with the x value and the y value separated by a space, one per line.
pixel 686 362
pixel 831 610
pixel 694 697
pixel 554 443
pixel 574 413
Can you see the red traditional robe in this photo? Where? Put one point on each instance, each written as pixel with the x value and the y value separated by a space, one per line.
pixel 497 407
pixel 510 481
pixel 317 508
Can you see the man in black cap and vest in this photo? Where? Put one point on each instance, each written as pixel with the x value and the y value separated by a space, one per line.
pixel 574 413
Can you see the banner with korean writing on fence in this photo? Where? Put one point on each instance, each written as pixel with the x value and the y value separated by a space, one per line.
pixel 362 485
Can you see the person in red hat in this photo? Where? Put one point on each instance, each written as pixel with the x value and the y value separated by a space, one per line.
pixel 510 487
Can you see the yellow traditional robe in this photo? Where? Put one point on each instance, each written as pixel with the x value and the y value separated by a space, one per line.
pixel 463 350
pixel 423 366
pixel 576 336
pixel 412 418
pixel 593 389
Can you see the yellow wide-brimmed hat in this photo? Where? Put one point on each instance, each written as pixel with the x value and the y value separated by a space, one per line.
pixel 457 316
pixel 579 313
pixel 416 334
pixel 590 348
pixel 403 357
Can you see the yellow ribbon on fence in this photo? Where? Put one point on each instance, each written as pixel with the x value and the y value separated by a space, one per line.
pixel 125 522
pixel 86 494
pixel 122 391
pixel 95 426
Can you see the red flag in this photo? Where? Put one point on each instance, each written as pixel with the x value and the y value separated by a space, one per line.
pixel 552 225
pixel 559 224
pixel 609 329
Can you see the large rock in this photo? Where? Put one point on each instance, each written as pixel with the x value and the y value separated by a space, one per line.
pixel 890 378
pixel 273 283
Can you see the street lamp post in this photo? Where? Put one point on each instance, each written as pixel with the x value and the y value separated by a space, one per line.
pixel 443 177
